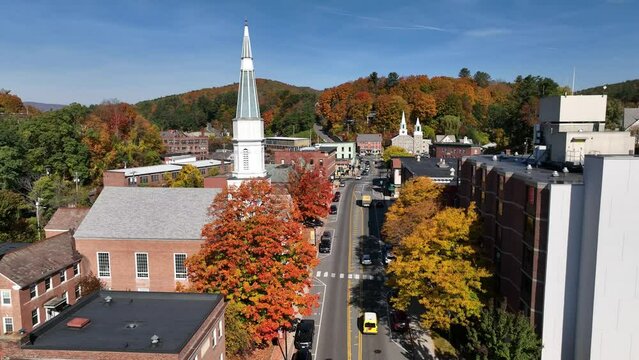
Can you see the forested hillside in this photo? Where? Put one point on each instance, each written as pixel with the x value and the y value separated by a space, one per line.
pixel 620 96
pixel 55 158
pixel 473 106
pixel 286 109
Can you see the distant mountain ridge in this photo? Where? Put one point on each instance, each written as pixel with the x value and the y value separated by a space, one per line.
pixel 44 106
pixel 627 91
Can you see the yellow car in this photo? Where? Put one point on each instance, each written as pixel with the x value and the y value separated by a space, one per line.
pixel 370 323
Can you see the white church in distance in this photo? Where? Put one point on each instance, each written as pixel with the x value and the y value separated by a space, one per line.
pixel 248 126
pixel 415 144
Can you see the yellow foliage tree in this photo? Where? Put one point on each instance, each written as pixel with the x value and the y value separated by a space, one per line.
pixel 436 265
pixel 420 199
pixel 189 176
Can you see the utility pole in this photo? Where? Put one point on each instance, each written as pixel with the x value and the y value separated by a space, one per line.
pixel 37 204
pixel 76 180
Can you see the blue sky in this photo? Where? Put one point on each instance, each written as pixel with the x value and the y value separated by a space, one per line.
pixel 89 51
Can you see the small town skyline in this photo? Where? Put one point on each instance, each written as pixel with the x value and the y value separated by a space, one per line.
pixel 88 53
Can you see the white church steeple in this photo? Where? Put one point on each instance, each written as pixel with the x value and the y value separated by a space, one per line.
pixel 248 126
pixel 418 128
pixel 402 127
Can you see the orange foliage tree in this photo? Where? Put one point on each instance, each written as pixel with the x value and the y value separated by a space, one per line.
pixel 10 104
pixel 389 111
pixel 254 254
pixel 310 189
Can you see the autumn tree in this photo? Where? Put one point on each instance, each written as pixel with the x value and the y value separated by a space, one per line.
pixel 394 151
pixel 424 106
pixel 436 265
pixel 90 283
pixel 9 103
pixel 254 254
pixel 310 189
pixel 389 111
pixel 188 177
pixel 501 335
pixel 360 106
pixel 420 199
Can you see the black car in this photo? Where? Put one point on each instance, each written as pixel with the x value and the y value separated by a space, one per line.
pixel 303 355
pixel 333 210
pixel 325 245
pixel 399 321
pixel 312 222
pixel 335 198
pixel 304 334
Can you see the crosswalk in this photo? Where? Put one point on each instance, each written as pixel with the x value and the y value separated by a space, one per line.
pixel 326 274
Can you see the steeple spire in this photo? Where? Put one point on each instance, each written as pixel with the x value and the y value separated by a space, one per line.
pixel 402 127
pixel 418 128
pixel 247 103
pixel 248 126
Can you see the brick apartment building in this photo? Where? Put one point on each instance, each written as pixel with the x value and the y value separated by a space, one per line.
pixel 116 325
pixel 138 238
pixel 179 142
pixel 369 143
pixel 563 243
pixel 324 158
pixel 454 150
pixel 38 281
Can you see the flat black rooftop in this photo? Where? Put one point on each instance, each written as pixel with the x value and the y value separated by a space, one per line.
pixel 430 167
pixel 127 323
pixel 516 165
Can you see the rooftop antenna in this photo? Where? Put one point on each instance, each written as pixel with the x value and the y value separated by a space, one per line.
pixel 572 90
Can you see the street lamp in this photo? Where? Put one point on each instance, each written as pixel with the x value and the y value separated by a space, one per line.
pixel 76 180
pixel 285 330
pixel 37 204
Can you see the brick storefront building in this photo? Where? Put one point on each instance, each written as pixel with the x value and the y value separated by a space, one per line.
pixel 369 143
pixel 115 325
pixel 138 238
pixel 324 158
pixel 453 150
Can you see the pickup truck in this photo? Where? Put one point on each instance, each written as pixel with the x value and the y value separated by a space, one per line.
pixel 366 200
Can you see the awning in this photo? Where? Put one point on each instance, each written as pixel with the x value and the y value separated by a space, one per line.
pixel 56 303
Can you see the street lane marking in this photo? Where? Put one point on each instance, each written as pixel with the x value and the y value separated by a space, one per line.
pixel 319 273
pixel 356 276
pixel 350 276
pixel 332 275
pixel 325 273
pixel 341 276
pixel 319 330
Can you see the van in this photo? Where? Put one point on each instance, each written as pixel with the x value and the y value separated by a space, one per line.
pixel 370 323
pixel 304 334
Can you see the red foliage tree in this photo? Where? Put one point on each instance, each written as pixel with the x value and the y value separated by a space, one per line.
pixel 255 256
pixel 311 190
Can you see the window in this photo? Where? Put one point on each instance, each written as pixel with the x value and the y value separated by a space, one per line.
pixel 222 356
pixel 174 175
pixel 143 289
pixel 65 296
pixel 529 226
pixel 63 275
pixel 6 297
pixel 531 195
pixel 527 259
pixel 35 317
pixel 180 269
pixel 155 178
pixel 78 292
pixel 142 265
pixel 220 326
pixel 76 269
pixel 8 325
pixel 500 208
pixel 501 184
pixel 104 265
pixel 245 159
pixel 144 179
pixel 214 337
pixel 47 284
pixel 33 291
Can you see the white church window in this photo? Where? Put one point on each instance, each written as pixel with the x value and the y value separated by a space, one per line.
pixel 245 159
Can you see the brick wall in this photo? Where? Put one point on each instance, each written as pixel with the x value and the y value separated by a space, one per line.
pixel 122 260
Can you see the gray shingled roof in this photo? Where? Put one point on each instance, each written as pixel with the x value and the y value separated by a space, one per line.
pixel 28 264
pixel 148 213
pixel 630 117
pixel 278 172
pixel 369 137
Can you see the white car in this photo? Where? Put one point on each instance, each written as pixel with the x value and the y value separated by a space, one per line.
pixel 358 177
pixel 366 259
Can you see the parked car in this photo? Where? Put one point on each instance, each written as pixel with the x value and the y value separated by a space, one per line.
pixel 304 334
pixel 366 259
pixel 342 184
pixel 313 222
pixel 333 210
pixel 326 236
pixel 335 198
pixel 399 321
pixel 358 177
pixel 303 354
pixel 325 245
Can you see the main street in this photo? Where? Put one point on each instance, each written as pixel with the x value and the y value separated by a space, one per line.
pixel 346 288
